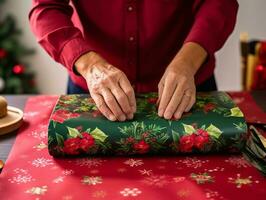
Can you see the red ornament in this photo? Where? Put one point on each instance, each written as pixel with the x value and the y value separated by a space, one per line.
pixel 18 69
pixel 3 53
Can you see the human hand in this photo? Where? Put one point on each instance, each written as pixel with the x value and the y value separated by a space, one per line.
pixel 108 86
pixel 177 90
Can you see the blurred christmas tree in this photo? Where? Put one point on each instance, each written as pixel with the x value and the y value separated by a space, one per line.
pixel 15 76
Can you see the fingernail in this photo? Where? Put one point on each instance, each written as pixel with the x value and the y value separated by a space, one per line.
pixel 122 118
pixel 160 113
pixel 178 115
pixel 168 115
pixel 112 118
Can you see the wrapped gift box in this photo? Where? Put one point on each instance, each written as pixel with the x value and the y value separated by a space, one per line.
pixel 215 124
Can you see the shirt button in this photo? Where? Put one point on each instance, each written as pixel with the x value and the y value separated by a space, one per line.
pixel 131 39
pixel 129 8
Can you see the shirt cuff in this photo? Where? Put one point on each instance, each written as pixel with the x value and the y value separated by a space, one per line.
pixel 72 51
pixel 205 40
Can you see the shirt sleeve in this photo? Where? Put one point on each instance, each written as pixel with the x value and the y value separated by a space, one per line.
pixel 214 22
pixel 51 23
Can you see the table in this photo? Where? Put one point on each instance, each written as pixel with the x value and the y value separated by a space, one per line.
pixel 6 141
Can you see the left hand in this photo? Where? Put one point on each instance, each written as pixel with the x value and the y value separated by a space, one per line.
pixel 177 90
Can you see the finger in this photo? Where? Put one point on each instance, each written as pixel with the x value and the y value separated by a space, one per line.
pixel 112 104
pixel 128 90
pixel 160 91
pixel 182 106
pixel 168 90
pixel 98 99
pixel 174 102
pixel 122 100
pixel 192 101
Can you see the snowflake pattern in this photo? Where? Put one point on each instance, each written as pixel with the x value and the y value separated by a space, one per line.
pixel 183 193
pixel 156 180
pixel 59 179
pixel 46 103
pixel 99 194
pixel 88 162
pixel 145 172
pixel 191 162
pixel 202 178
pixel 31 114
pixel 92 180
pixel 178 179
pixel 130 192
pixel 21 176
pixel 39 134
pixel 239 181
pixel 237 161
pixel 37 190
pixel 216 169
pixel 68 172
pixel 213 195
pixel 40 146
pixel 133 162
pixel 42 162
pixel 21 179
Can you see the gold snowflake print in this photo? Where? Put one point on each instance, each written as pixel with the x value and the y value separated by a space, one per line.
pixel 37 190
pixel 202 178
pixel 91 180
pixel 40 146
pixel 239 181
pixel 99 194
pixel 183 193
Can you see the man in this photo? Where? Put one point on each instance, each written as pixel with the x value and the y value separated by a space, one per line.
pixel 113 47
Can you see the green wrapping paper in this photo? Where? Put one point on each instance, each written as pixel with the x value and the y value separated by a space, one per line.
pixel 215 124
pixel 255 148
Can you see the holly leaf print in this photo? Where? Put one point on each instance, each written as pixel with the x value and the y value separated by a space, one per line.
pixel 98 135
pixel 214 131
pixel 236 112
pixel 72 132
pixel 175 136
pixel 59 139
pixel 189 129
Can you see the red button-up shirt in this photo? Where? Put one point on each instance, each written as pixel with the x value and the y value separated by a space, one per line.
pixel 140 37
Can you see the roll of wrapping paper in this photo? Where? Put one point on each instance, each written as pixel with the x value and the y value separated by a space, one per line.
pixel 77 127
pixel 255 148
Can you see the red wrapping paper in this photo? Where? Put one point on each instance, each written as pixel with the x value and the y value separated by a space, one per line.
pixel 253 113
pixel 31 173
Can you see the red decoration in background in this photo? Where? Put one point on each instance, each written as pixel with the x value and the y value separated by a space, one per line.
pixel 18 69
pixel 3 53
pixel 259 82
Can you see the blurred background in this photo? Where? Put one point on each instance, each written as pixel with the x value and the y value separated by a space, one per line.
pixel 37 72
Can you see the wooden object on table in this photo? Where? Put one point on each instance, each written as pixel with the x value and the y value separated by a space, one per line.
pixel 3 107
pixel 11 118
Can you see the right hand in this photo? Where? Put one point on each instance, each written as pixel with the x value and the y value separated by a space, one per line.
pixel 108 86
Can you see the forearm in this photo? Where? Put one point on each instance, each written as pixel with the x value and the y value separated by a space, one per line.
pixel 193 54
pixel 51 23
pixel 214 22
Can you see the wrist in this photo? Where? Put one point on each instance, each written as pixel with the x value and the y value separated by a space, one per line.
pixel 85 62
pixel 192 55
